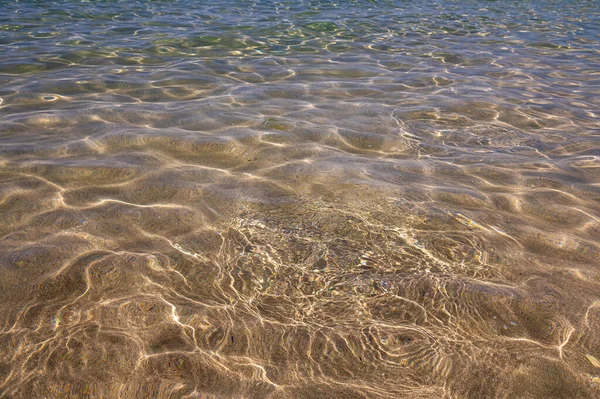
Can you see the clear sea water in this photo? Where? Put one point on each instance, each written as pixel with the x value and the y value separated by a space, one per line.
pixel 300 199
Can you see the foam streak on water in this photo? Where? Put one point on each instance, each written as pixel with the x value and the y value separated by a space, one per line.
pixel 299 199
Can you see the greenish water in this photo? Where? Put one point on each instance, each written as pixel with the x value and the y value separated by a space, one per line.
pixel 302 199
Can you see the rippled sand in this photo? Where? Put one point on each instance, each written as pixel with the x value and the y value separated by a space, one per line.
pixel 299 200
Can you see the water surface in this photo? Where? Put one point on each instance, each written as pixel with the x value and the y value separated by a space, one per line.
pixel 299 199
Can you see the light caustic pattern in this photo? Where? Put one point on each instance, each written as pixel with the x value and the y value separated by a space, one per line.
pixel 299 199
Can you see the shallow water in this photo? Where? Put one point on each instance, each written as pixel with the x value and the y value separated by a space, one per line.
pixel 301 199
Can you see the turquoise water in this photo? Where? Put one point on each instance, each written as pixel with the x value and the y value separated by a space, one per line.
pixel 303 199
